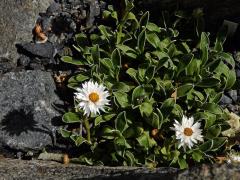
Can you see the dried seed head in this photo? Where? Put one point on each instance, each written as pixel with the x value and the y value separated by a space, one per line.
pixel 66 159
pixel 125 66
pixel 154 133
pixel 39 34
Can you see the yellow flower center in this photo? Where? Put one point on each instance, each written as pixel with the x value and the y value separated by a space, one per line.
pixel 188 131
pixel 94 97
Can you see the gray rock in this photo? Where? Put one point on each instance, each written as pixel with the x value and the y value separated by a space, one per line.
pixel 226 100
pixel 5 65
pixel 35 169
pixel 44 50
pixel 233 94
pixel 17 20
pixel 26 112
pixel 53 8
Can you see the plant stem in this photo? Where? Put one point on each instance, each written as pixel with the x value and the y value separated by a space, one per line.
pixel 87 126
pixel 80 129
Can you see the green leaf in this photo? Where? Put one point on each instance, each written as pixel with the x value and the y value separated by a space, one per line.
pixel 204 46
pixel 154 120
pixel 167 107
pixel 121 86
pixel 116 58
pixel 132 16
pixel 141 71
pixel 121 145
pixel 149 75
pixel 208 117
pixel 114 15
pixel 217 98
pixel 106 14
pixel 133 73
pixel 71 60
pixel 153 39
pixel 184 62
pixel 193 67
pixel 138 95
pixel 218 142
pixel 110 133
pixel 146 109
pixel 153 27
pixel 82 40
pixel 105 32
pixel 221 37
pixel 213 131
pixel 95 53
pixel 213 108
pixel 184 89
pixel 133 132
pixel 182 163
pixel 213 144
pixel 65 133
pixel 96 39
pixel 78 78
pixel 145 141
pixel 231 79
pixel 227 58
pixel 71 117
pixel 127 50
pixel 208 82
pixel 103 118
pixel 122 98
pixel 144 20
pixel 130 158
pixel 107 63
pixel 141 41
pixel 121 122
pixel 197 155
pixel 78 140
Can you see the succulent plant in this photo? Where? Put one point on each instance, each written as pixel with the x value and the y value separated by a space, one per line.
pixel 153 78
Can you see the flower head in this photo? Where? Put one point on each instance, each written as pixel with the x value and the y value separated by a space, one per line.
pixel 187 133
pixel 92 98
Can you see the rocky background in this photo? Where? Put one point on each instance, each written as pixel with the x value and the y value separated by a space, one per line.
pixel 19 169
pixel 34 34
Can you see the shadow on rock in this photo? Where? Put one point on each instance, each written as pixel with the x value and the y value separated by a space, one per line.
pixel 18 121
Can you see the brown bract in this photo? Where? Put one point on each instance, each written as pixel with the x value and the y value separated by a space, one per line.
pixel 40 36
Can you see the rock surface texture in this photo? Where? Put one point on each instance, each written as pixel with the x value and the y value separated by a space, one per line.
pixel 26 111
pixel 34 169
pixel 17 20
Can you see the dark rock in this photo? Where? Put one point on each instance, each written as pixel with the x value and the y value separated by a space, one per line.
pixel 54 8
pixel 44 50
pixel 94 11
pixel 24 60
pixel 26 111
pixel 233 108
pixel 233 94
pixel 225 100
pixel 238 73
pixel 210 172
pixel 45 22
pixel 16 23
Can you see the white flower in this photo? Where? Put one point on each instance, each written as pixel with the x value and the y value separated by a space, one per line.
pixel 92 98
pixel 187 133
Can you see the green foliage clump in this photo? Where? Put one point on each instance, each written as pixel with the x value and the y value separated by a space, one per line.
pixel 153 78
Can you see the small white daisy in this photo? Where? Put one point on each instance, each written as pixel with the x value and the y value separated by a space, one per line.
pixel 92 98
pixel 187 132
